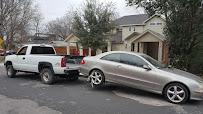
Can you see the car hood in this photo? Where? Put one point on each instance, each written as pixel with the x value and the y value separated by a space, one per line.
pixel 183 74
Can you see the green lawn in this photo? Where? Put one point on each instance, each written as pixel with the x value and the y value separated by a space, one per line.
pixel 1 59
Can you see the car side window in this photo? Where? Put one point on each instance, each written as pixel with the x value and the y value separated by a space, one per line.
pixel 112 57
pixel 22 51
pixel 42 50
pixel 132 60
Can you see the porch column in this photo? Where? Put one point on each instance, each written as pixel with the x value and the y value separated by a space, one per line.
pixel 68 50
pixel 81 51
pixel 90 50
pixel 160 50
pixel 109 46
pixel 136 47
pixel 141 47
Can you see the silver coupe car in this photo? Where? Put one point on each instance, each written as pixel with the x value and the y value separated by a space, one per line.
pixel 142 72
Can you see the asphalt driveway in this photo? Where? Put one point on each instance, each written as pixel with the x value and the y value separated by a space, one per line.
pixel 26 95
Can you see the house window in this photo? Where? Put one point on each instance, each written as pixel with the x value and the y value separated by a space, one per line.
pixel 126 45
pixel 134 28
pixel 152 23
pixel 130 28
pixel 159 23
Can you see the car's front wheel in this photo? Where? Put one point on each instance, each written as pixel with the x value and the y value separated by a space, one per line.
pixel 97 78
pixel 11 72
pixel 176 93
pixel 47 76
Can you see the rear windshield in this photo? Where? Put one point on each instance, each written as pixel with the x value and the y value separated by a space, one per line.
pixel 42 50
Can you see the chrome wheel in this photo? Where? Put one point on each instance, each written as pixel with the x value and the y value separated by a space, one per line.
pixel 176 94
pixel 9 71
pixel 96 78
pixel 46 76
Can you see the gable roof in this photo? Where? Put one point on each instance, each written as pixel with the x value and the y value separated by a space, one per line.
pixel 70 36
pixel 161 16
pixel 132 19
pixel 159 36
pixel 132 35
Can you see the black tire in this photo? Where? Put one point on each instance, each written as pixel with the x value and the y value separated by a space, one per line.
pixel 47 76
pixel 181 92
pixel 10 71
pixel 95 83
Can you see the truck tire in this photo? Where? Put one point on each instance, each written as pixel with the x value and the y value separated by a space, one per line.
pixel 47 76
pixel 10 71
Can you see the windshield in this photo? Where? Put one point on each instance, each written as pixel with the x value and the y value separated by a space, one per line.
pixel 154 62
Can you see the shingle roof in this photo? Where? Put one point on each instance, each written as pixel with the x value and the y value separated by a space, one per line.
pixel 132 19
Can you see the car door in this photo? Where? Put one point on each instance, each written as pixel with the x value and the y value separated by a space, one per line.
pixel 109 65
pixel 133 74
pixel 20 60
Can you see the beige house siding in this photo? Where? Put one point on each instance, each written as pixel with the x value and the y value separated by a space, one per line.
pixel 126 32
pixel 148 38
pixel 72 38
pixel 116 47
pixel 155 28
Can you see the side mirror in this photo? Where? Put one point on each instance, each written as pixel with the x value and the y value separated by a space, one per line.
pixel 147 67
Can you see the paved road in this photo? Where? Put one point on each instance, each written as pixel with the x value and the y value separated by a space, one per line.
pixel 26 95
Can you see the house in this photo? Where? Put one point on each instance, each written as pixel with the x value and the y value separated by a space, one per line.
pixel 75 48
pixel 61 47
pixel 140 33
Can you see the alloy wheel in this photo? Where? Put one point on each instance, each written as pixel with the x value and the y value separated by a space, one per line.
pixel 9 71
pixel 46 76
pixel 176 94
pixel 96 78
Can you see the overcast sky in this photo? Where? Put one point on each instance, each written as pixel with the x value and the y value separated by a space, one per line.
pixel 52 9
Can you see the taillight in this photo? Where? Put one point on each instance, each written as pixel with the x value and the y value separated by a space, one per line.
pixel 82 62
pixel 63 62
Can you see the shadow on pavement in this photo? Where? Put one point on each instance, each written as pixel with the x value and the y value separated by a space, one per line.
pixel 144 94
pixel 109 87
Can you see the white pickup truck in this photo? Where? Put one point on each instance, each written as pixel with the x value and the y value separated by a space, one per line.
pixel 40 59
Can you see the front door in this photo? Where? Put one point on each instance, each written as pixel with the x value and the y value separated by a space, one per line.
pixel 133 74
pixel 20 61
pixel 110 64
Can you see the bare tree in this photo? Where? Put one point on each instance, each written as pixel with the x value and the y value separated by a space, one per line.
pixel 37 20
pixel 15 19
pixel 61 26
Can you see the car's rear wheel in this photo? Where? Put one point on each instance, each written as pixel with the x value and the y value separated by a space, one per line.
pixel 47 76
pixel 97 78
pixel 176 93
pixel 11 72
